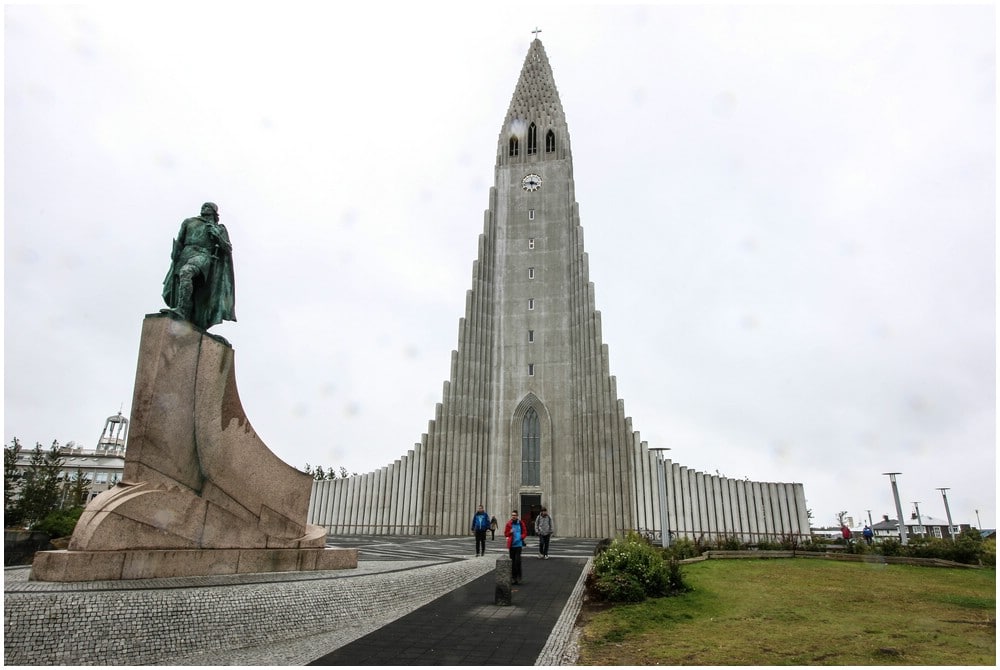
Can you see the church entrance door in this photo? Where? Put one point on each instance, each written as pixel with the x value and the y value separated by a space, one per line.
pixel 531 505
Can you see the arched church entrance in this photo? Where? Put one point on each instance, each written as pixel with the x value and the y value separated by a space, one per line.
pixel 531 505
pixel 534 448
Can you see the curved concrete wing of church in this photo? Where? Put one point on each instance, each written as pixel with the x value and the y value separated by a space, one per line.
pixel 530 415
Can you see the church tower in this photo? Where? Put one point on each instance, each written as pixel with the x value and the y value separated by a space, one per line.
pixel 530 415
pixel 531 403
pixel 557 430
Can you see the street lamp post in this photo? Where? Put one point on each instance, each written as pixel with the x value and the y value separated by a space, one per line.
pixel 870 524
pixel 979 524
pixel 947 511
pixel 920 521
pixel 899 508
pixel 661 482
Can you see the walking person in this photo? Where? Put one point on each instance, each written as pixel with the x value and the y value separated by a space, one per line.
pixel 480 524
pixel 493 528
pixel 544 529
pixel 868 534
pixel 515 531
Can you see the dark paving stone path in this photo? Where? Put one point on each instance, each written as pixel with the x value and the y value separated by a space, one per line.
pixel 464 627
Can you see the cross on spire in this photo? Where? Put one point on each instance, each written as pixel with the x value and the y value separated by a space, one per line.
pixel 536 31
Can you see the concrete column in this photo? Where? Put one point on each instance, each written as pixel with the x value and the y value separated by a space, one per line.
pixel 395 497
pixel 702 518
pixel 754 527
pixel 321 501
pixel 449 457
pixel 417 517
pixel 727 506
pixel 714 505
pixel 686 522
pixel 801 510
pixel 767 518
pixel 785 525
pixel 672 472
pixel 744 502
pixel 340 503
pixel 372 501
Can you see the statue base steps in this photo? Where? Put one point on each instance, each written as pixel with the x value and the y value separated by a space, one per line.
pixel 82 566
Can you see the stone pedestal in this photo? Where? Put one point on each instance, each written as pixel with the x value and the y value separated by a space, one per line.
pixel 501 594
pixel 201 493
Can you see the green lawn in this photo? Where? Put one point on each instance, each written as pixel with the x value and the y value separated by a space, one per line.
pixel 803 612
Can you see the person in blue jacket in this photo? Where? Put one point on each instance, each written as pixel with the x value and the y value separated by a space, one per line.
pixel 515 531
pixel 480 524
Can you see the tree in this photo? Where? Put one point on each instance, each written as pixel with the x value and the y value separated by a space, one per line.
pixel 319 474
pixel 41 485
pixel 840 518
pixel 11 481
pixel 76 490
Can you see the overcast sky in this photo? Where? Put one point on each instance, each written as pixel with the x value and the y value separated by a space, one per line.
pixel 789 214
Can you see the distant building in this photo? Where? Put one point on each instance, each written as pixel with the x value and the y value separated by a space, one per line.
pixel 102 466
pixel 922 526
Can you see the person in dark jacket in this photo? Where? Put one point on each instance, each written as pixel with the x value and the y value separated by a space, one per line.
pixel 544 528
pixel 515 531
pixel 480 524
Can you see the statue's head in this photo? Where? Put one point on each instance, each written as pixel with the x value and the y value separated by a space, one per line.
pixel 210 209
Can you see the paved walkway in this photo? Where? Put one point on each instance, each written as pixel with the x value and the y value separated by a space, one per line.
pixel 414 600
pixel 465 627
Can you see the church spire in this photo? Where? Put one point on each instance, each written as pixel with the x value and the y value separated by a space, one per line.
pixel 535 125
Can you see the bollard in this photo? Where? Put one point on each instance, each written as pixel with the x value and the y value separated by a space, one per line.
pixel 501 595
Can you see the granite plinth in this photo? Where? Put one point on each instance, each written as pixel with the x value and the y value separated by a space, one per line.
pixel 201 493
pixel 80 566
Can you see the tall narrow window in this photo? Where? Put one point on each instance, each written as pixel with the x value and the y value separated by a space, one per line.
pixel 531 273
pixel 531 242
pixel 532 139
pixel 550 142
pixel 531 369
pixel 531 452
pixel 531 336
pixel 531 303
pixel 512 146
pixel 531 215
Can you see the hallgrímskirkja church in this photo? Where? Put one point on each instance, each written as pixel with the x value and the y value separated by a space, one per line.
pixel 531 415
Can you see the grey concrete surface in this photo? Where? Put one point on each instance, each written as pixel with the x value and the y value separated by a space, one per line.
pixel 261 619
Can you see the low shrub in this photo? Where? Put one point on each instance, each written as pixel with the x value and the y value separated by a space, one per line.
pixel 768 545
pixel 988 554
pixel 630 570
pixel 790 542
pixel 890 547
pixel 969 548
pixel 857 548
pixel 60 522
pixel 729 543
pixel 680 549
pixel 814 543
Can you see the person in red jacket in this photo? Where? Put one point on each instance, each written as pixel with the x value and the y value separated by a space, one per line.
pixel 515 532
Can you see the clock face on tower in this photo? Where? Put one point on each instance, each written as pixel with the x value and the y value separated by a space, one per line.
pixel 531 182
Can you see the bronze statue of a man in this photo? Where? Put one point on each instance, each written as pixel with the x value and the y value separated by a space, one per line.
pixel 199 286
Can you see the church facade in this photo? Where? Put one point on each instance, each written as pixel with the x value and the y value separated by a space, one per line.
pixel 530 415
